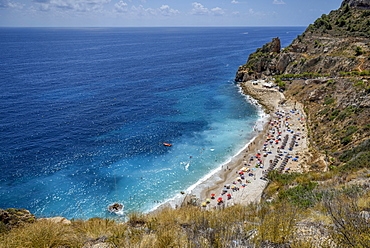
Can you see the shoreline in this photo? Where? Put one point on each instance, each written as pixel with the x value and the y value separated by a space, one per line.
pixel 282 145
pixel 279 118
pixel 277 114
pixel 214 177
pixel 227 172
pixel 267 100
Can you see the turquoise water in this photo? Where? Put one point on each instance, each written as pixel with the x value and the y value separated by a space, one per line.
pixel 85 113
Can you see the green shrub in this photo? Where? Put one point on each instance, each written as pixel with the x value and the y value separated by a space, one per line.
pixel 283 179
pixel 362 160
pixel 329 100
pixel 334 114
pixel 349 154
pixel 351 130
pixel 346 140
pixel 359 51
pixel 324 111
pixel 342 116
pixel 301 195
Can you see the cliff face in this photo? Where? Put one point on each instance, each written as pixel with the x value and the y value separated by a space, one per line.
pixel 338 111
pixel 338 105
pixel 336 42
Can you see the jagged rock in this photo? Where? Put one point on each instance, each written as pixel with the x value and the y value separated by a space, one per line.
pixel 328 47
pixel 14 217
pixel 298 48
pixel 60 220
pixel 273 47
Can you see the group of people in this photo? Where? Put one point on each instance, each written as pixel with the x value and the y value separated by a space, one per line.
pixel 283 135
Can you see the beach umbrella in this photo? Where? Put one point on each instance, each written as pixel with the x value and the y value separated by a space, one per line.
pixel 204 204
pixel 208 200
pixel 224 190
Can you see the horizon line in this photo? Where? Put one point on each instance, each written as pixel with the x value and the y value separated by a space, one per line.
pixel 264 26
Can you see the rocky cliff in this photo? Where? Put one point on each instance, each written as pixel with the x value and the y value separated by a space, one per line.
pixel 327 68
pixel 334 43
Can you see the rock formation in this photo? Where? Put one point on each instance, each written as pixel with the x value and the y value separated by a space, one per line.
pixel 333 43
pixel 12 217
pixel 327 68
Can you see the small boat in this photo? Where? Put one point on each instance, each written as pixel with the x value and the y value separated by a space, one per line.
pixel 116 208
pixel 167 144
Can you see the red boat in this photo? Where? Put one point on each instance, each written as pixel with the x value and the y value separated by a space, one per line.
pixel 167 144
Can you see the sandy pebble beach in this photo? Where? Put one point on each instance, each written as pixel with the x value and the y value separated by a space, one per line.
pixel 279 146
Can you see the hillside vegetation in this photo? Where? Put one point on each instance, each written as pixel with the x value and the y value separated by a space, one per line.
pixel 326 69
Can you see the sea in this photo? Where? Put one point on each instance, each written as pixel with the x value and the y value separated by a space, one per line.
pixel 84 113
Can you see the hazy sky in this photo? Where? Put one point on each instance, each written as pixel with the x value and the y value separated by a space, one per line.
pixel 122 13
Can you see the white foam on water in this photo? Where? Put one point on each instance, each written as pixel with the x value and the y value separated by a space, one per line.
pixel 178 198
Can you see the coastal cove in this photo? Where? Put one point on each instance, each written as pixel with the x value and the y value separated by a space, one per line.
pixel 86 112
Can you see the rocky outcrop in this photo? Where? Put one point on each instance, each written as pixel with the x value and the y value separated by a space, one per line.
pixel 337 106
pixel 273 47
pixel 334 43
pixel 12 217
pixel 262 62
pixel 57 220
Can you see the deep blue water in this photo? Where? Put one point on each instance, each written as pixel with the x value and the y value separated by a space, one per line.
pixel 84 113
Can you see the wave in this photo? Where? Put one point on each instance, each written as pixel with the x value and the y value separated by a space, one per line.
pixel 259 124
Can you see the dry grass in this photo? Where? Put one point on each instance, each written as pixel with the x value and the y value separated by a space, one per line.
pixel 41 234
pixel 95 227
pixel 364 202
pixel 275 222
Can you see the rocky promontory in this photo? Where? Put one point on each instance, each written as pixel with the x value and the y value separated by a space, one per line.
pixel 327 68
pixel 324 74
pixel 334 43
